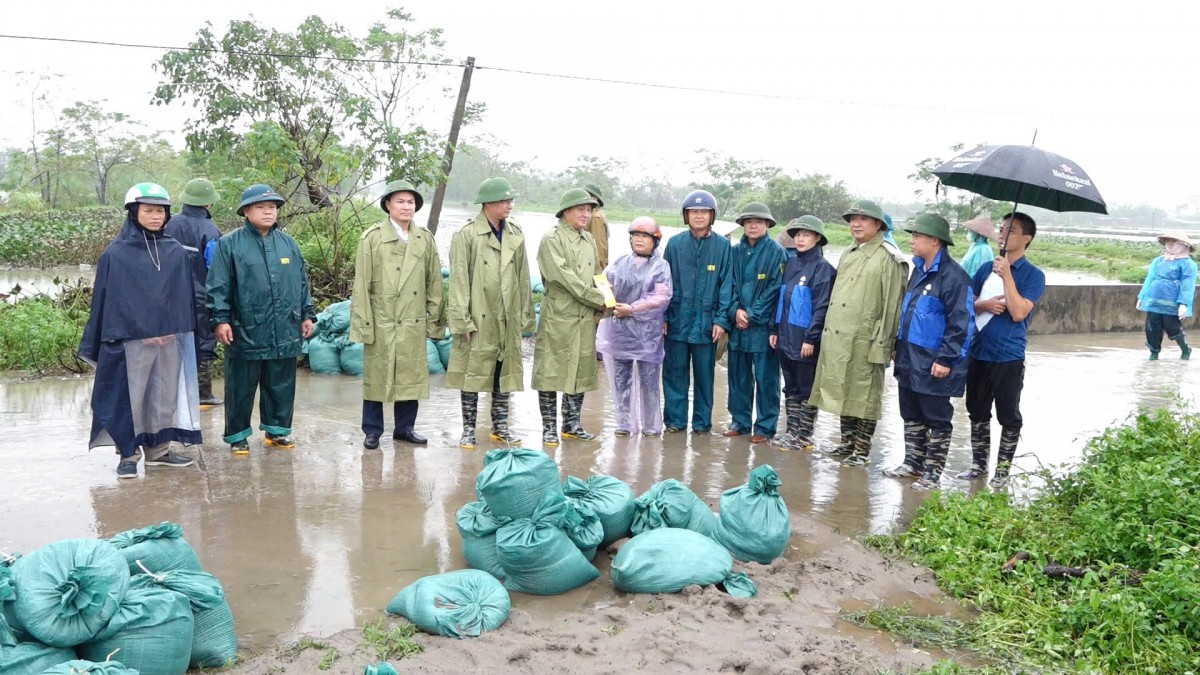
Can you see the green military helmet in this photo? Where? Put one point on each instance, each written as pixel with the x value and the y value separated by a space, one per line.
pixel 400 186
pixel 866 207
pixel 597 194
pixel 574 197
pixel 259 193
pixel 200 192
pixel 756 210
pixel 147 193
pixel 810 223
pixel 495 190
pixel 933 225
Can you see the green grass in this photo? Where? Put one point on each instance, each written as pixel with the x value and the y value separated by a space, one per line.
pixel 40 335
pixel 329 658
pixel 391 642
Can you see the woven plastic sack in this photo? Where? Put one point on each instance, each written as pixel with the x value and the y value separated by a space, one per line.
pixel 463 603
pixel 754 523
pixel 610 498
pixel 513 481
pixel 67 591
pixel 214 639
pixel 324 356
pixel 381 668
pixel 670 503
pixel 153 631
pixel 443 347
pixel 433 360
pixel 161 548
pixel 351 359
pixel 537 555
pixel 335 320
pixel 668 559
pixel 32 658
pixel 477 527
pixel 82 667
pixel 7 594
pixel 583 528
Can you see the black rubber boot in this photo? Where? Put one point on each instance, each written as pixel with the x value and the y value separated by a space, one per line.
pixel 470 413
pixel 981 448
pixel 807 419
pixel 915 434
pixel 204 373
pixel 864 431
pixel 1004 457
pixel 547 403
pixel 572 418
pixel 1185 352
pixel 500 431
pixel 846 447
pixel 937 446
pixel 787 439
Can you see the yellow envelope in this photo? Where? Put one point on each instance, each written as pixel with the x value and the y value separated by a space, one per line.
pixel 603 286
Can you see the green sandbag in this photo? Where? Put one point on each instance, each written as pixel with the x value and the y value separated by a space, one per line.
pixel 513 481
pixel 335 320
pixel 754 523
pixel 33 658
pixel 537 555
pixel 67 591
pixel 82 667
pixel 153 631
pixel 668 559
pixel 351 359
pixel 443 347
pixel 610 498
pixel 463 603
pixel 381 668
pixel 477 527
pixel 583 528
pixel 324 356
pixel 160 548
pixel 7 593
pixel 214 639
pixel 670 503
pixel 433 359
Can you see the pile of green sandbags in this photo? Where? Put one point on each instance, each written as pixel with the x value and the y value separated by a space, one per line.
pixel 463 603
pixel 329 350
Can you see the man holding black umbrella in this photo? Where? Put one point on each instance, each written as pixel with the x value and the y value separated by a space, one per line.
pixel 996 372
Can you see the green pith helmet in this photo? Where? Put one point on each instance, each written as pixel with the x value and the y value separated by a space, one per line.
pixel 495 190
pixel 574 197
pixel 866 207
pixel 200 192
pixel 147 193
pixel 259 193
pixel 400 186
pixel 810 223
pixel 756 210
pixel 597 194
pixel 933 225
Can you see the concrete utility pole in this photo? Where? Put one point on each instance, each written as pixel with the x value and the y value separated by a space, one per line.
pixel 460 108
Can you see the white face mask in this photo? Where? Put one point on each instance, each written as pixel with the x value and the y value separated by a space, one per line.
pixel 1177 249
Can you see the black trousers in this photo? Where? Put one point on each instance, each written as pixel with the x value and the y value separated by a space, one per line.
pixel 798 376
pixel 934 412
pixel 998 382
pixel 404 412
pixel 1156 325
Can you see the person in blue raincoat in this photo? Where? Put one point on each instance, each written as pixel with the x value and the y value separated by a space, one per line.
pixel 937 321
pixel 887 232
pixel 979 253
pixel 139 336
pixel 698 316
pixel 758 263
pixel 797 325
pixel 1168 292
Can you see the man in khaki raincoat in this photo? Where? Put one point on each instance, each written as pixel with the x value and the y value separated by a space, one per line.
pixel 565 357
pixel 860 332
pixel 598 226
pixel 490 306
pixel 397 304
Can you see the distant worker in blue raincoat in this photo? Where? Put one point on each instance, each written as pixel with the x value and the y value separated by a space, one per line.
pixel 887 232
pixel 758 262
pixel 1168 293
pixel 937 321
pixel 262 311
pixel 139 336
pixel 631 338
pixel 193 226
pixel 979 253
pixel 698 316
pixel 797 325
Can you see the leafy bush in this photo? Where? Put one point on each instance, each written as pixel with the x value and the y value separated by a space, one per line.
pixel 62 237
pixel 39 335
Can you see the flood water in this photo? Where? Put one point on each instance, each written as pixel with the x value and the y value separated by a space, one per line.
pixel 318 539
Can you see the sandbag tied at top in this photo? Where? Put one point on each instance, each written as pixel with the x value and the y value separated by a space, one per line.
pixel 67 591
pixel 214 639
pixel 477 526
pixel 583 528
pixel 152 630
pixel 537 555
pixel 33 658
pixel 82 667
pixel 754 523
pixel 610 498
pixel 513 481
pixel 161 548
pixel 668 559
pixel 670 503
pixel 463 603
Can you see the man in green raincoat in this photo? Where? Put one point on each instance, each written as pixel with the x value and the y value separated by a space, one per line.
pixel 598 226
pixel 258 298
pixel 397 304
pixel 565 356
pixel 490 307
pixel 860 332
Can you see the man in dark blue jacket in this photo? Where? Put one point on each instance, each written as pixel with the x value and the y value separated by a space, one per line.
pixel 937 321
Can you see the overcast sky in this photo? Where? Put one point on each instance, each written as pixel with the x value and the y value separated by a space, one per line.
pixel 874 87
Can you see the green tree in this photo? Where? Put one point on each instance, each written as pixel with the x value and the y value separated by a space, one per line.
pixel 954 205
pixel 815 194
pixel 602 173
pixel 731 179
pixel 102 141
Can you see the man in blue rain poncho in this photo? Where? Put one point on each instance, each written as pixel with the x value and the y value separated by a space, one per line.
pixel 139 337
pixel 631 340
pixel 1168 292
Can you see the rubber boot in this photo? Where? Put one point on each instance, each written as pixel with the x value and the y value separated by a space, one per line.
pixel 937 446
pixel 915 435
pixel 572 405
pixel 1004 457
pixel 846 446
pixel 1185 352
pixel 787 439
pixel 470 412
pixel 205 374
pixel 806 420
pixel 981 448
pixel 864 431
pixel 547 402
pixel 500 431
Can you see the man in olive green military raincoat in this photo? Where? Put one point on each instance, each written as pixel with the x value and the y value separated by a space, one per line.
pixel 565 357
pixel 397 304
pixel 860 332
pixel 490 307
pixel 598 226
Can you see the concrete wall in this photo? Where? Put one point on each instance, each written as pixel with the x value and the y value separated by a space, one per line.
pixel 1089 309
